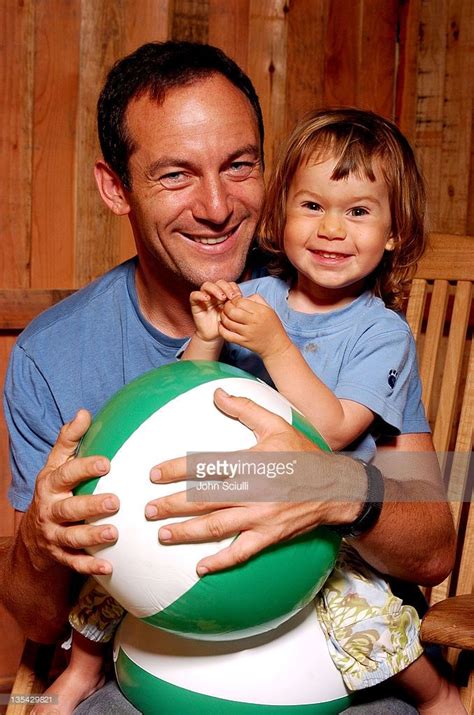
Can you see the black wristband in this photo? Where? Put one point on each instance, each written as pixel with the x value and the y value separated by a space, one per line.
pixel 370 513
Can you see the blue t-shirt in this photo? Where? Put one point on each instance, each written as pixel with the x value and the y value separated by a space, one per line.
pixel 76 354
pixel 363 352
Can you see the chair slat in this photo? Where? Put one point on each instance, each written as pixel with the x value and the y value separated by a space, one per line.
pixel 465 584
pixel 452 367
pixel 457 494
pixel 434 331
pixel 416 305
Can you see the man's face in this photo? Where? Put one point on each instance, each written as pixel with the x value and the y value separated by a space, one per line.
pixel 197 180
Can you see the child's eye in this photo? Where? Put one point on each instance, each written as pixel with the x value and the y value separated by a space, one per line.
pixel 358 211
pixel 312 206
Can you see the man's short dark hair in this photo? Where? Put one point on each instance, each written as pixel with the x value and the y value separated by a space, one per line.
pixel 153 69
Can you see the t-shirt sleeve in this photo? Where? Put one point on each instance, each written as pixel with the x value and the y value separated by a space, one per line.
pixel 33 421
pixel 414 417
pixel 377 373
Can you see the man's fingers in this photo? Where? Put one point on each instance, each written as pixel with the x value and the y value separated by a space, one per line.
pixel 180 504
pixel 84 535
pixel 68 439
pixel 71 473
pixel 243 548
pixel 173 470
pixel 81 508
pixel 84 564
pixel 209 527
pixel 253 416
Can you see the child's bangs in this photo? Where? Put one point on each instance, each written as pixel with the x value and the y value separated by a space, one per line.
pixel 353 151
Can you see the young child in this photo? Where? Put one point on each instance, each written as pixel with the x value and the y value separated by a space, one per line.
pixel 344 222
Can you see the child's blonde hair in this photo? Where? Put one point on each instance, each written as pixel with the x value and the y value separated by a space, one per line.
pixel 355 139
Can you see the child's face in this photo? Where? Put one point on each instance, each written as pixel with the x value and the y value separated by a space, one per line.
pixel 336 231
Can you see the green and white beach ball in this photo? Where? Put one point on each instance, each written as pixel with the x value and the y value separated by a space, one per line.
pixel 287 671
pixel 168 413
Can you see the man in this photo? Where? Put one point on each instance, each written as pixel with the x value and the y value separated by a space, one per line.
pixel 182 135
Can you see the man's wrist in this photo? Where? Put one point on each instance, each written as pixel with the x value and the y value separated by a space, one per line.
pixel 27 550
pixel 372 507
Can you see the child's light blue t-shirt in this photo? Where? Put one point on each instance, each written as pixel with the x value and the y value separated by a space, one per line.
pixel 363 352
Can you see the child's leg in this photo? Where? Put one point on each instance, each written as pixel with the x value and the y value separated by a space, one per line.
pixel 82 677
pixel 94 619
pixel 372 636
pixel 432 694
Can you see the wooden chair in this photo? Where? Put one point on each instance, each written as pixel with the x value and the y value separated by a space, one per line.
pixel 439 311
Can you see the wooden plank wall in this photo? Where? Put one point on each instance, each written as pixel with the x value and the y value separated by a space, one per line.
pixel 411 60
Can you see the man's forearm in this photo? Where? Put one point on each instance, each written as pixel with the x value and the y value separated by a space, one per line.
pixel 413 540
pixel 38 599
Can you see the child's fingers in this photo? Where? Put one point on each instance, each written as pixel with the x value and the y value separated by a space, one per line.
pixel 232 290
pixel 233 326
pixel 215 291
pixel 222 290
pixel 240 311
pixel 199 299
pixel 256 298
pixel 197 296
pixel 230 336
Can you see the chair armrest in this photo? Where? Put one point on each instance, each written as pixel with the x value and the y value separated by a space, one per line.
pixel 450 623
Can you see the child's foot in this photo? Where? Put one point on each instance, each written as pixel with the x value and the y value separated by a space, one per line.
pixel 446 701
pixel 68 690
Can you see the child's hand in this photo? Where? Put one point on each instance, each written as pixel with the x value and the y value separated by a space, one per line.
pixel 253 324
pixel 207 304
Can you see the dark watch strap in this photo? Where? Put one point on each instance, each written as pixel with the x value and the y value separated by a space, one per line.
pixel 370 513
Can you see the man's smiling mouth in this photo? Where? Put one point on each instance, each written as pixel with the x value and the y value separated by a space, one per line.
pixel 210 241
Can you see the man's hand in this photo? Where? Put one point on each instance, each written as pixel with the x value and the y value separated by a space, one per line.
pixel 51 530
pixel 259 524
pixel 253 324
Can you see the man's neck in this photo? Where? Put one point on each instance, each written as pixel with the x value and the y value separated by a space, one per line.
pixel 164 303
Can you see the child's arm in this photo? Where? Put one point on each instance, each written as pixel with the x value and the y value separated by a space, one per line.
pixel 251 323
pixel 206 308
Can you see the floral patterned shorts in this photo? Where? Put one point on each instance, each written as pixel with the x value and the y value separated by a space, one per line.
pixel 371 634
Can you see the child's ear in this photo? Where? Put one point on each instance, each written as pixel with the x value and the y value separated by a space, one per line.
pixel 390 245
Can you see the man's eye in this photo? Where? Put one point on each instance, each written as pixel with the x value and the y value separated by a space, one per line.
pixel 241 169
pixel 174 179
pixel 358 211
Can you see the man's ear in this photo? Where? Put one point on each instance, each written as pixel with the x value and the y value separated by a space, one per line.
pixel 111 189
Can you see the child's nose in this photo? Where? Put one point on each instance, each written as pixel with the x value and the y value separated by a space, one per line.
pixel 332 227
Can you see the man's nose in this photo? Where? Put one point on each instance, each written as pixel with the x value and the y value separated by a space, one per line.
pixel 213 201
pixel 332 226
